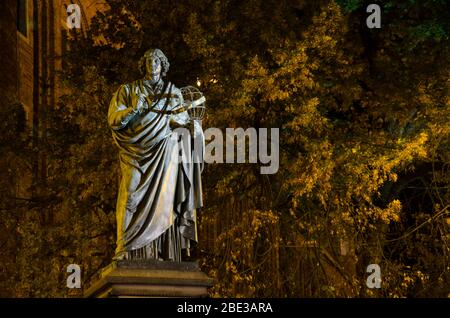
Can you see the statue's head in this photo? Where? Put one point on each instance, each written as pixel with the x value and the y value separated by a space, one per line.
pixel 154 65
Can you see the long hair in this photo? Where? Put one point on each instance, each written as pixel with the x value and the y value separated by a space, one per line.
pixel 154 53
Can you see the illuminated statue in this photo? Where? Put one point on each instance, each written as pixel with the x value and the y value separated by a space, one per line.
pixel 159 193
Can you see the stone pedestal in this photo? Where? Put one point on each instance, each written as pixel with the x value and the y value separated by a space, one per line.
pixel 150 278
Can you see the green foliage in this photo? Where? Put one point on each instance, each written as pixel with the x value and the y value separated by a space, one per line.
pixel 431 30
pixel 349 5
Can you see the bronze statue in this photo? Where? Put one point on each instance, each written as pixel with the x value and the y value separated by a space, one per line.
pixel 158 195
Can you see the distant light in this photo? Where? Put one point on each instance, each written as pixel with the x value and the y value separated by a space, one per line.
pixel 199 83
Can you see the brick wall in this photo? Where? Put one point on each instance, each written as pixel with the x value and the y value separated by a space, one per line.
pixel 8 53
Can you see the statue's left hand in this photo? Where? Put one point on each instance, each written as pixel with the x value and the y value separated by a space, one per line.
pixel 174 124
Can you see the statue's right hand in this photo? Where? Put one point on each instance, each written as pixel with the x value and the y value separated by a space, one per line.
pixel 141 104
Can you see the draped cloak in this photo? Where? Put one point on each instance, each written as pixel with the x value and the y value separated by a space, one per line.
pixel 160 188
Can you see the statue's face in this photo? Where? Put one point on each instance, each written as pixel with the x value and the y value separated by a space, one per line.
pixel 153 68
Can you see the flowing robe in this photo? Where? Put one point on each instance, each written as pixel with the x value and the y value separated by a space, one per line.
pixel 158 195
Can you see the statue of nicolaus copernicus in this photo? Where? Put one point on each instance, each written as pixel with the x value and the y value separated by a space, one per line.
pixel 159 193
